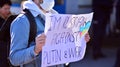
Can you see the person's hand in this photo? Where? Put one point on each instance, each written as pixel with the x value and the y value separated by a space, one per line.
pixel 87 37
pixel 40 41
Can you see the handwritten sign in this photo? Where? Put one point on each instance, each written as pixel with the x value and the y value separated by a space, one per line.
pixel 65 38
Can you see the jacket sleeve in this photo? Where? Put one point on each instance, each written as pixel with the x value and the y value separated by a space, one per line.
pixel 19 53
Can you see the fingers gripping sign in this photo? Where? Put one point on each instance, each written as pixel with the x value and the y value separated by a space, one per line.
pixel 40 42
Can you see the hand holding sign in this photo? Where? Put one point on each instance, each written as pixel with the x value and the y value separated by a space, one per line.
pixel 40 41
pixel 87 37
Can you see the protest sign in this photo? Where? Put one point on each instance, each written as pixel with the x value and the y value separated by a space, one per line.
pixel 65 38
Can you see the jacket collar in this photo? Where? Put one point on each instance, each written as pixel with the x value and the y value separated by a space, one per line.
pixel 34 9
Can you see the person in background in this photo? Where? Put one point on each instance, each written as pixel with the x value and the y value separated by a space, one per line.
pixel 4 10
pixel 117 61
pixel 102 10
pixel 4 14
pixel 117 18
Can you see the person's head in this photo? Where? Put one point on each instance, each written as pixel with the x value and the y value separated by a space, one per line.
pixel 5 8
pixel 45 4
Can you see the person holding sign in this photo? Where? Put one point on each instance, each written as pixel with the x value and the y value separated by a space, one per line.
pixel 20 54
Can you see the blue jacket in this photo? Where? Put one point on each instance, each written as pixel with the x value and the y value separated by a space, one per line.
pixel 19 53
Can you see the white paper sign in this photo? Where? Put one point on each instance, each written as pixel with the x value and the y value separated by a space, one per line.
pixel 65 38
